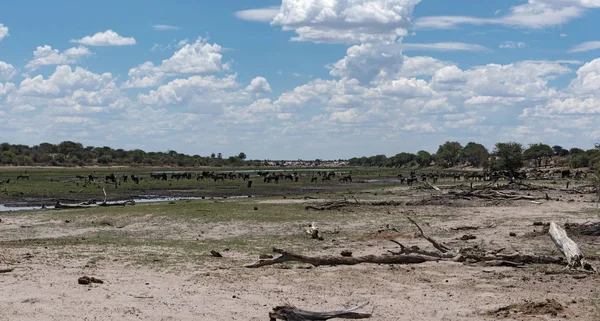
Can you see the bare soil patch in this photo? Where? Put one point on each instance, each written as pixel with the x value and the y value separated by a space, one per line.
pixel 155 260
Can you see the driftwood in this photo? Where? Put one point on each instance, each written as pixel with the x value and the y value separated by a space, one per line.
pixel 286 256
pixel 291 313
pixel 92 203
pixel 495 195
pixel 60 205
pixel 568 248
pixel 415 255
pixel 335 205
pixel 590 229
pixel 431 186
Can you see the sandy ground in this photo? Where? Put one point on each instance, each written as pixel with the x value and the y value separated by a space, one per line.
pixel 43 285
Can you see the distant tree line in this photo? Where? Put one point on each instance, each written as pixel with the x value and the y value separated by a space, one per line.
pixel 504 156
pixel 508 155
pixel 70 153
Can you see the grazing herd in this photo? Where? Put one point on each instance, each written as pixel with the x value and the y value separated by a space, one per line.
pixel 324 176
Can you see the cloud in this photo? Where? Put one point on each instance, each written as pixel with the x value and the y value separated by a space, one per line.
pixel 3 31
pixel 344 21
pixel 586 46
pixel 65 80
pixel 44 56
pixel 7 71
pixel 165 27
pixel 563 35
pixel 199 57
pixel 442 46
pixel 263 14
pixel 366 62
pixel 512 45
pixel 181 91
pixel 107 38
pixel 259 85
pixel 535 14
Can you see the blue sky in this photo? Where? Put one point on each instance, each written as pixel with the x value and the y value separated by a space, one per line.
pixel 300 79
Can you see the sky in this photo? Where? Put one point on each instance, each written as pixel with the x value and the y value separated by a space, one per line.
pixel 300 79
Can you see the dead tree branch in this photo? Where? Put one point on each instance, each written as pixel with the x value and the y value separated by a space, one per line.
pixel 286 256
pixel 291 313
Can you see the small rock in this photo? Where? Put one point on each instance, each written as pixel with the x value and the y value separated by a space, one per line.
pixel 346 253
pixel 256 208
pixel 512 234
pixel 88 280
pixel 215 253
pixel 538 223
pixel 467 237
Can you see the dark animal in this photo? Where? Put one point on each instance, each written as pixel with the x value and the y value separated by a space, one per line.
pixel 23 177
pixel 135 179
pixel 110 178
pixel 313 179
pixel 347 178
pixel 249 184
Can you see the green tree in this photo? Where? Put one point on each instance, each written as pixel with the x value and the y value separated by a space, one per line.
pixel 242 156
pixel 559 151
pixel 69 148
pixel 538 153
pixel 402 159
pixel 423 158
pixel 475 154
pixel 509 156
pixel 448 153
pixel 575 151
pixel 580 160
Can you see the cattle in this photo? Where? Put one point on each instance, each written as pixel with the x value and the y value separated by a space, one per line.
pixel 313 179
pixel 135 179
pixel 347 178
pixel 249 184
pixel 110 178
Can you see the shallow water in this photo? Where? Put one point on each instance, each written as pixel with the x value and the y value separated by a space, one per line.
pixel 143 199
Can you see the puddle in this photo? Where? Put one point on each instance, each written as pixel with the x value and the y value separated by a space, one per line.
pixel 140 199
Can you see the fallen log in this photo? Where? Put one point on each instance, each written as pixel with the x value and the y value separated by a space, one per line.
pixel 431 186
pixel 286 256
pixel 60 205
pixel 6 270
pixel 291 313
pixel 568 247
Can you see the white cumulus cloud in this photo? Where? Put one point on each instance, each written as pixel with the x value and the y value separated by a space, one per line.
pixel 3 31
pixel 106 38
pixel 346 21
pixel 44 56
pixel 7 71
pixel 259 85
